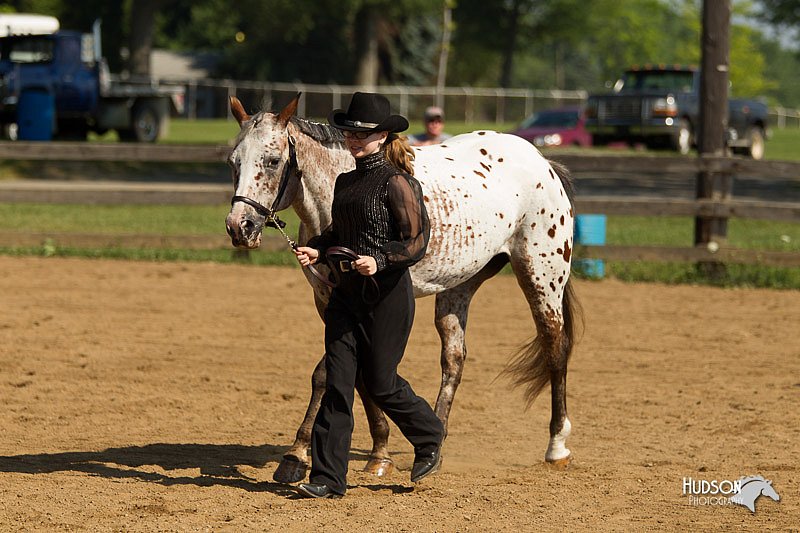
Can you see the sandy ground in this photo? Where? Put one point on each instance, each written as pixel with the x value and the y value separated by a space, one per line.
pixel 144 397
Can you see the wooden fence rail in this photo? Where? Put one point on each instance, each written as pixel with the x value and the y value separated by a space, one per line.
pixel 577 163
pixel 117 193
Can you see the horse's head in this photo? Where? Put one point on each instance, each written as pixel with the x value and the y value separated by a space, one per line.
pixel 264 171
pixel 768 490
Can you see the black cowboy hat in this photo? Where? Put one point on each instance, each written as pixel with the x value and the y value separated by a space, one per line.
pixel 368 112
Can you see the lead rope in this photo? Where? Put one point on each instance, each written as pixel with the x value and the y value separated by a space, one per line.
pixel 278 223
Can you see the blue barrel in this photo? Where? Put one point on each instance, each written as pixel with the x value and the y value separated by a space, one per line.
pixel 590 230
pixel 35 115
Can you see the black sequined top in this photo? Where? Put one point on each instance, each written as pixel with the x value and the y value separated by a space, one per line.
pixel 377 211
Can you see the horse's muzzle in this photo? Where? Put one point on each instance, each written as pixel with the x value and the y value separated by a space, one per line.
pixel 244 230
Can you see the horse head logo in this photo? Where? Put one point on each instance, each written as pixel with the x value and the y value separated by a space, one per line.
pixel 751 488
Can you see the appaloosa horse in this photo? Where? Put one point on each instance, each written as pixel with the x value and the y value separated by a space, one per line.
pixel 491 199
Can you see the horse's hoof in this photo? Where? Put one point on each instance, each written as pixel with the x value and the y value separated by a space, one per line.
pixel 291 470
pixel 379 467
pixel 560 464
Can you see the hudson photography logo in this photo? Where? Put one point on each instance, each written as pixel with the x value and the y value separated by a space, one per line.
pixel 744 491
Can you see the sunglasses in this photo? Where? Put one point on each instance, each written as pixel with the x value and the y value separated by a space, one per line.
pixel 360 135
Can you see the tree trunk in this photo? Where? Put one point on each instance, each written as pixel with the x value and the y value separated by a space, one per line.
pixel 511 44
pixel 141 39
pixel 367 47
pixel 444 52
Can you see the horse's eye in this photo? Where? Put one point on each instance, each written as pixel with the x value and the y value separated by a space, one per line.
pixel 273 162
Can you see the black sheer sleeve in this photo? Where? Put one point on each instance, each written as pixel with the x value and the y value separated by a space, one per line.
pixel 411 220
pixel 323 241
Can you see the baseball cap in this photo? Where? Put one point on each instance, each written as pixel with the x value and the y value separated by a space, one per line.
pixel 433 112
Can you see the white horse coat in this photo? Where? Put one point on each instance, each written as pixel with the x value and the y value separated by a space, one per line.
pixel 491 199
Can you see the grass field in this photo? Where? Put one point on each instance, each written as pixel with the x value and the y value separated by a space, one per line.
pixel 209 220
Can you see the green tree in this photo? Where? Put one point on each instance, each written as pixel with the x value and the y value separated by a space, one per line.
pixel 491 36
pixel 343 41
pixel 781 12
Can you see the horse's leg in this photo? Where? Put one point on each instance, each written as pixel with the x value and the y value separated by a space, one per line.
pixel 553 306
pixel 295 462
pixel 452 308
pixel 380 462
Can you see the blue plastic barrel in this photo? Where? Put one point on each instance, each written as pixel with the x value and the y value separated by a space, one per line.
pixel 35 115
pixel 590 230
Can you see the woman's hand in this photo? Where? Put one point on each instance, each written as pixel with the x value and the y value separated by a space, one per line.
pixel 305 255
pixel 366 265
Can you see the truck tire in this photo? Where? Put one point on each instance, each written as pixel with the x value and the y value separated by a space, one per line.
pixel 72 130
pixel 683 139
pixel 755 145
pixel 145 124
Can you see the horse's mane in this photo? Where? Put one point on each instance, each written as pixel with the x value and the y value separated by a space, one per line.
pixel 745 480
pixel 323 133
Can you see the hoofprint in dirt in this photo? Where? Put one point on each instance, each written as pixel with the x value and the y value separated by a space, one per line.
pixel 143 396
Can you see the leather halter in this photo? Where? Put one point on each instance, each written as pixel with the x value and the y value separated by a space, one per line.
pixel 273 221
pixel 269 212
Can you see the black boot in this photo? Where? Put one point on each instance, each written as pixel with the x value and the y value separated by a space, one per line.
pixel 426 464
pixel 317 490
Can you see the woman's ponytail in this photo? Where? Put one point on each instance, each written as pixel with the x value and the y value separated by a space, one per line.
pixel 399 153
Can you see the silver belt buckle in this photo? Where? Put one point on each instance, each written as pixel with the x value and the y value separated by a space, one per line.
pixel 345 266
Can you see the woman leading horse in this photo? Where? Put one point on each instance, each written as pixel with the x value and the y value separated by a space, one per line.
pixel 379 214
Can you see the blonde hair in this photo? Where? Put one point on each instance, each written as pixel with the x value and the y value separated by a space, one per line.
pixel 399 152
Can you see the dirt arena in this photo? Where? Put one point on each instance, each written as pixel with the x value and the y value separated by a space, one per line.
pixel 159 397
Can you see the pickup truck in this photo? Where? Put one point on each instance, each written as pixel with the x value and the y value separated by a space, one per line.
pixel 68 68
pixel 659 106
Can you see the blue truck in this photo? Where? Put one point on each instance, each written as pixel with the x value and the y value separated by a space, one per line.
pixel 660 105
pixel 56 84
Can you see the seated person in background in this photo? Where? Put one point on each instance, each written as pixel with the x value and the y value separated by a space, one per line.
pixel 434 126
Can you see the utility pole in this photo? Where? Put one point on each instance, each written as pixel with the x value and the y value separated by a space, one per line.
pixel 715 46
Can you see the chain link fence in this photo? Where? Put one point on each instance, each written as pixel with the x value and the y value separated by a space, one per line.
pixel 208 98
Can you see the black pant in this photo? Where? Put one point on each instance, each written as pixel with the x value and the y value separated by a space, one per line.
pixel 369 339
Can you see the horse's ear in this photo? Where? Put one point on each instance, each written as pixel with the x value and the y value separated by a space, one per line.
pixel 288 111
pixel 237 110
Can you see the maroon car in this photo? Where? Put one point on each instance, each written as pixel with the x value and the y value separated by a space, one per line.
pixel 555 127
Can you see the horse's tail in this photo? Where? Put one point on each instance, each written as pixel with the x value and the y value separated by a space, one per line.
pixel 566 179
pixel 550 351
pixel 534 363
